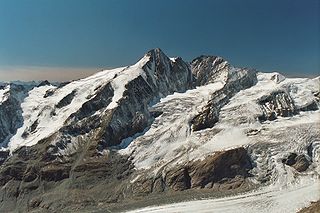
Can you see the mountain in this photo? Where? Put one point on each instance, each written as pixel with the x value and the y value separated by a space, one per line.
pixel 160 130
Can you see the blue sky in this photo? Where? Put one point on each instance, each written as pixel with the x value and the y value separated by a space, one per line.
pixel 269 35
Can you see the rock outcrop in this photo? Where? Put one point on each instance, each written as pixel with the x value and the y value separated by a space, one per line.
pixel 209 69
pixel 223 170
pixel 298 162
pixel 276 104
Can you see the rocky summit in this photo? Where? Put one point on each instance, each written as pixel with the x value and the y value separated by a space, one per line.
pixel 160 131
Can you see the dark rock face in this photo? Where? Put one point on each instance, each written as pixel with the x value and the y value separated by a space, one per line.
pixel 276 104
pixel 179 179
pixel 299 162
pixel 312 106
pixel 44 83
pixel 11 113
pixel 162 77
pixel 207 70
pixel 219 167
pixel 226 169
pixel 3 156
pixel 66 100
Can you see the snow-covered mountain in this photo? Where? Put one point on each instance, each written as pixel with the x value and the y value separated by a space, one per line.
pixel 160 128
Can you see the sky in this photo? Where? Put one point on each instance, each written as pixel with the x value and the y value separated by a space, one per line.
pixel 69 39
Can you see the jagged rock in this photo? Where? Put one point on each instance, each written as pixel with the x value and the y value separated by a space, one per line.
pixel 298 162
pixel 220 166
pixel 179 179
pixel 207 118
pixel 131 116
pixel 276 104
pixel 291 159
pixel 209 69
pixel 44 83
pixel 302 163
pixel 66 100
pixel 12 172
pixel 278 78
pixel 142 187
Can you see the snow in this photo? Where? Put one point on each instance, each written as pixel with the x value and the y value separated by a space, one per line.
pixel 270 199
pixel 3 94
pixel 169 135
pixel 224 140
pixel 170 141
pixel 123 78
pixel 173 59
pixel 37 108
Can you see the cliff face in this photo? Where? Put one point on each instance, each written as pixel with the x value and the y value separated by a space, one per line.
pixel 11 97
pixel 214 69
pixel 160 126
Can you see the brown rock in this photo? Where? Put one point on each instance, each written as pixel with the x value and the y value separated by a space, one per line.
pixel 179 179
pixel 55 172
pixel 220 166
pixel 298 162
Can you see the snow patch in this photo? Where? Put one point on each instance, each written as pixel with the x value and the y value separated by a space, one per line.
pixel 4 94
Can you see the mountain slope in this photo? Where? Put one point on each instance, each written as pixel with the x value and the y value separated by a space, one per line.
pixel 162 128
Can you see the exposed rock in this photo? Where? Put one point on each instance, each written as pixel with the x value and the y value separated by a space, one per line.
pixel 66 100
pixel 276 104
pixel 312 106
pixel 54 172
pixel 4 154
pixel 291 159
pixel 131 116
pixel 313 208
pixel 179 179
pixel 220 167
pixel 44 83
pixel 208 69
pixel 49 93
pixel 79 165
pixel 298 162
pixel 224 170
pixel 11 113
pixel 278 78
